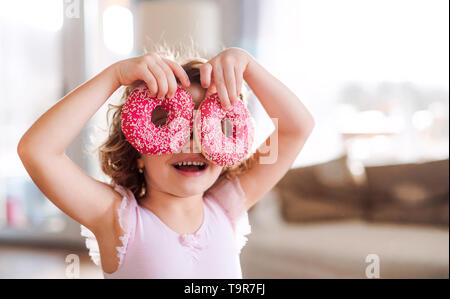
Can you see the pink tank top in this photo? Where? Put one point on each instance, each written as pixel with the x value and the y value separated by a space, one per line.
pixel 153 250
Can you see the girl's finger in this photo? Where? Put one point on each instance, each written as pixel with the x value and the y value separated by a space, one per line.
pixel 221 88
pixel 230 82
pixel 179 72
pixel 205 75
pixel 239 80
pixel 160 78
pixel 171 81
pixel 150 80
pixel 211 90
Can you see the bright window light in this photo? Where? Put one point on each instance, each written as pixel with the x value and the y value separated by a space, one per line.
pixel 118 29
pixel 422 119
pixel 401 40
pixel 46 15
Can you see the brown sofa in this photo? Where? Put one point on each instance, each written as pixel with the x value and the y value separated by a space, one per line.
pixel 407 193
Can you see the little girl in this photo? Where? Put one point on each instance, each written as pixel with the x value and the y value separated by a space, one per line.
pixel 153 220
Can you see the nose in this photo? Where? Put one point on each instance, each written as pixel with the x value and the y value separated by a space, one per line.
pixel 191 146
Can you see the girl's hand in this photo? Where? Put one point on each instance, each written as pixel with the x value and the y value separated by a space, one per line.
pixel 224 74
pixel 158 72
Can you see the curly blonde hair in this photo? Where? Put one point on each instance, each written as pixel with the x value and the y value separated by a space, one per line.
pixel 118 158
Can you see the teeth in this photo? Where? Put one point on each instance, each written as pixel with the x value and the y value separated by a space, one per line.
pixel 187 163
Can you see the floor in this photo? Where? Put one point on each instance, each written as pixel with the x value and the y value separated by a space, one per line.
pixel 26 262
pixel 338 249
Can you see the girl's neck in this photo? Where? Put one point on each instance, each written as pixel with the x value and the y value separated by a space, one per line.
pixel 163 202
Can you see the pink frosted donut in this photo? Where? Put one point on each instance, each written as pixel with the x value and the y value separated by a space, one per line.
pixel 145 136
pixel 223 150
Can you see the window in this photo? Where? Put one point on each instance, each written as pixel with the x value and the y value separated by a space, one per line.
pixel 373 73
pixel 30 83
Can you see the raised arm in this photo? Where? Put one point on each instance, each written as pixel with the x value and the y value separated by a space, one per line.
pixel 295 123
pixel 42 147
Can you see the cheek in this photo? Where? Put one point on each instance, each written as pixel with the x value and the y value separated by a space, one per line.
pixel 153 162
pixel 216 170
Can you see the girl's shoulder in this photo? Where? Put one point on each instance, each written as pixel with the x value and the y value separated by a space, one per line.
pixel 126 213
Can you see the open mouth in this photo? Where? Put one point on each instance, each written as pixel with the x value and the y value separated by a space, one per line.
pixel 190 166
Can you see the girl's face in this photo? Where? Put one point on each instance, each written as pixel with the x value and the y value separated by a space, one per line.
pixel 167 174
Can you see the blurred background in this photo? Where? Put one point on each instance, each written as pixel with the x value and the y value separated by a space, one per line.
pixel 372 180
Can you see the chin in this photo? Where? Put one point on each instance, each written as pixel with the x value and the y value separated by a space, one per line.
pixel 190 187
pixel 186 191
pixel 191 180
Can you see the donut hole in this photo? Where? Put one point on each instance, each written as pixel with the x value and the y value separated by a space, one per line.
pixel 159 116
pixel 227 127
